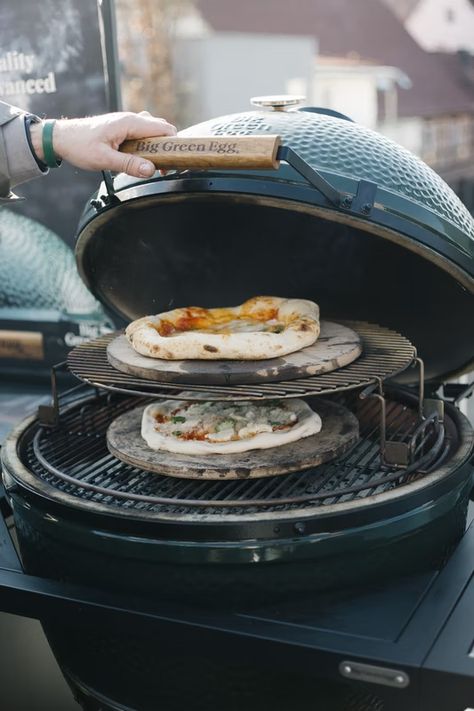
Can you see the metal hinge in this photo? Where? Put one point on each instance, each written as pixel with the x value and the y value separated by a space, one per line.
pixel 374 675
pixel 361 203
pixel 108 197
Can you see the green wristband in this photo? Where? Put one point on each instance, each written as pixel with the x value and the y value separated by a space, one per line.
pixel 49 155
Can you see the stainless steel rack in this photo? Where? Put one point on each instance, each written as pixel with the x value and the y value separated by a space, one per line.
pixel 73 457
pixel 385 354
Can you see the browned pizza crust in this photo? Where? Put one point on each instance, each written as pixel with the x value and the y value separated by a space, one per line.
pixel 263 327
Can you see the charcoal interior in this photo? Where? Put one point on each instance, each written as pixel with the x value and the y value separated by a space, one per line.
pixel 221 252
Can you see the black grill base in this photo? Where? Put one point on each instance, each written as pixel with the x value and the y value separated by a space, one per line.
pixel 181 552
pixel 132 671
pixel 358 557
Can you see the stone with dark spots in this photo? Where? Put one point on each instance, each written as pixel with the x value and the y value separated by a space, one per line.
pixel 340 430
pixel 336 347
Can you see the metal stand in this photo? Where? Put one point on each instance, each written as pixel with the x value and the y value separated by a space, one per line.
pixel 428 434
pixel 420 451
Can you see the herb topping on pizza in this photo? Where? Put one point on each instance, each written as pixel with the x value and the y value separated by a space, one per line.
pixel 222 427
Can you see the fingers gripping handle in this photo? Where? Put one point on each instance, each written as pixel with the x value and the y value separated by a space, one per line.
pixel 238 152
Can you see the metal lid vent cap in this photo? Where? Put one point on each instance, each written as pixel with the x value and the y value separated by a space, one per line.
pixel 278 102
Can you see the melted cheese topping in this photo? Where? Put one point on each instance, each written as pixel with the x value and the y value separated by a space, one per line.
pixel 222 422
pixel 256 314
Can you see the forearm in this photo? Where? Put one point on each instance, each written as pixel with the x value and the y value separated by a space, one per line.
pixel 36 133
pixel 89 143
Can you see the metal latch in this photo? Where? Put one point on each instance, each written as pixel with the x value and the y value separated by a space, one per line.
pixel 433 406
pixel 374 675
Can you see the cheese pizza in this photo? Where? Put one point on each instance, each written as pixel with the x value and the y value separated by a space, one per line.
pixel 263 327
pixel 188 427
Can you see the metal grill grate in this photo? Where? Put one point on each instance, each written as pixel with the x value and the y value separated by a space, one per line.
pixel 74 459
pixel 385 354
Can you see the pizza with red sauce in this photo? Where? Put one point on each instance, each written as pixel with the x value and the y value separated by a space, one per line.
pixel 226 427
pixel 262 327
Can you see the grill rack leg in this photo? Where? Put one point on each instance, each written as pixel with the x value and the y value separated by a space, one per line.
pixel 430 416
pixel 393 454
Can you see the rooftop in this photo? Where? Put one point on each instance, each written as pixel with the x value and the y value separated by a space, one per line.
pixel 366 29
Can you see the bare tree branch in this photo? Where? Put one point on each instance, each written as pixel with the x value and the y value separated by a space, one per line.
pixel 146 30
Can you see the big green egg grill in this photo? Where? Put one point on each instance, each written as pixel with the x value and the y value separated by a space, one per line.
pixel 348 219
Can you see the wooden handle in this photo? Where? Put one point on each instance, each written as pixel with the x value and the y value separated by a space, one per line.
pixel 208 152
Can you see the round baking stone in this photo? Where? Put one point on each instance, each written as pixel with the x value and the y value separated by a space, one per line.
pixel 340 430
pixel 336 346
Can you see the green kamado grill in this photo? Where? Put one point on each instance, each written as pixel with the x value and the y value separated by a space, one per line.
pixel 346 218
pixel 45 308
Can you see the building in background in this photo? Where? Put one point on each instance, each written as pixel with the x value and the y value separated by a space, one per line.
pixel 219 73
pixel 444 131
pixel 371 67
pixel 356 87
pixel 175 65
pixel 403 67
pixel 437 25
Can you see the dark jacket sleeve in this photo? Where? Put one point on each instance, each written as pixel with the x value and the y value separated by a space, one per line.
pixel 17 162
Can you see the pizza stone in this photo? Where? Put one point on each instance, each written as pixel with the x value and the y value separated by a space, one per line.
pixel 263 327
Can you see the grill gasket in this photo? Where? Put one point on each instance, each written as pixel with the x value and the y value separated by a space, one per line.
pixel 386 353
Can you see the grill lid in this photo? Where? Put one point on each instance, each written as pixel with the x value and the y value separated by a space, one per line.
pixel 395 246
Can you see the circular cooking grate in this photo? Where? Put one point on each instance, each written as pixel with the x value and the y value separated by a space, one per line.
pixel 335 347
pixel 385 353
pixel 73 459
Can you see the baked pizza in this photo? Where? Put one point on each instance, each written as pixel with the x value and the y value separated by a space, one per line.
pixel 188 427
pixel 263 327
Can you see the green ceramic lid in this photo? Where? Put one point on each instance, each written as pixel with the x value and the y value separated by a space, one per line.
pixel 403 258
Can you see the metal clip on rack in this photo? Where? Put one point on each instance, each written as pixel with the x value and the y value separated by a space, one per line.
pixel 430 427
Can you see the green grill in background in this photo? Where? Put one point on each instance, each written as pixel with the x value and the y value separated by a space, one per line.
pixel 45 309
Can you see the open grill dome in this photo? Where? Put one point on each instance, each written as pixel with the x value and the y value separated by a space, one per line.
pixel 396 249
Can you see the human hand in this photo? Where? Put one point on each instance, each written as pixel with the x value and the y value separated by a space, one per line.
pixel 92 143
